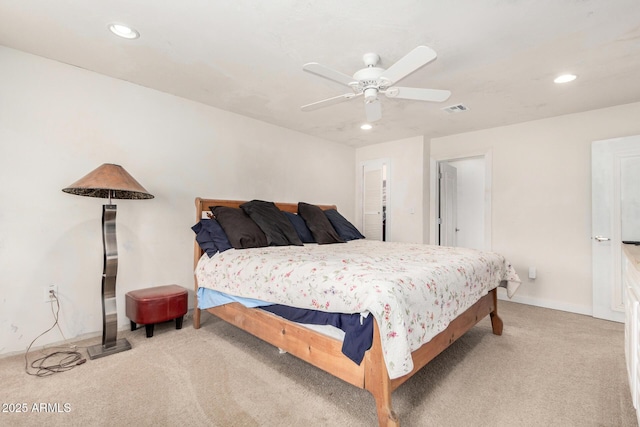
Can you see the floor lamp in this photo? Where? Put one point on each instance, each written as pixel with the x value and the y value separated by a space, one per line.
pixel 112 182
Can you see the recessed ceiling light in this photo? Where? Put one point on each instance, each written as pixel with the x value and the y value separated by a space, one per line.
pixel 565 78
pixel 366 126
pixel 124 31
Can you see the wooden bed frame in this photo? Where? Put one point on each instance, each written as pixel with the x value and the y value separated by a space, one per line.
pixel 325 352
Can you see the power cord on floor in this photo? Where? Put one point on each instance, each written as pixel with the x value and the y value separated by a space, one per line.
pixel 56 362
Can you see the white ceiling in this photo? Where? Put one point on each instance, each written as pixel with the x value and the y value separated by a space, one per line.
pixel 498 57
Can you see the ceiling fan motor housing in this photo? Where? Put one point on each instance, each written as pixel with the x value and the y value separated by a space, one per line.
pixel 369 82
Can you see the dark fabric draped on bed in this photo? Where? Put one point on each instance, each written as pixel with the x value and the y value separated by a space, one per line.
pixel 357 328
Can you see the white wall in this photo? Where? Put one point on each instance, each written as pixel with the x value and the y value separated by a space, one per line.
pixel 541 199
pixel 406 186
pixel 58 123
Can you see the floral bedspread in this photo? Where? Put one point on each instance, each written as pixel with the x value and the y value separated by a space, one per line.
pixel 413 291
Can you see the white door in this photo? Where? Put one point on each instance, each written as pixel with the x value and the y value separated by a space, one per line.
pixel 609 160
pixel 448 204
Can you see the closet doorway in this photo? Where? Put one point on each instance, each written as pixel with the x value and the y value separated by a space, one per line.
pixel 375 193
pixel 463 202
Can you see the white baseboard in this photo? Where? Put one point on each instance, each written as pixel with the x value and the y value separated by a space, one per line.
pixel 537 302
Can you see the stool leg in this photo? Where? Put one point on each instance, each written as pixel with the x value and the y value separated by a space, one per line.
pixel 149 329
pixel 134 326
pixel 179 322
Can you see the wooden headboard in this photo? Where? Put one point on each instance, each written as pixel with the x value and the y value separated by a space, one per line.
pixel 202 208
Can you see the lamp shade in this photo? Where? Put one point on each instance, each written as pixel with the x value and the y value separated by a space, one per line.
pixel 108 181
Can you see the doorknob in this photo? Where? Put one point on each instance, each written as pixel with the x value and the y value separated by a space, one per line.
pixel 601 238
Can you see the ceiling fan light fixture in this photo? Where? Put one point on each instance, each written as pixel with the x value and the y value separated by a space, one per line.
pixel 370 94
pixel 366 126
pixel 565 78
pixel 124 31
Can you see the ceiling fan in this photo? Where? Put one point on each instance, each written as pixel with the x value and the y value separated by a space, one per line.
pixel 372 80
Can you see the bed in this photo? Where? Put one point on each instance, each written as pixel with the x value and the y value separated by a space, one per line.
pixel 405 336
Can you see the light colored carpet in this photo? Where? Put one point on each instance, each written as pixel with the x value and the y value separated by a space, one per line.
pixel 549 368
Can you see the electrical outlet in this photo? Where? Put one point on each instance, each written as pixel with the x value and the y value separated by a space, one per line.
pixel 47 292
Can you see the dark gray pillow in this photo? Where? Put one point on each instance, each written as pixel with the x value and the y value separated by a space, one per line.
pixel 273 223
pixel 322 230
pixel 345 229
pixel 242 232
pixel 301 227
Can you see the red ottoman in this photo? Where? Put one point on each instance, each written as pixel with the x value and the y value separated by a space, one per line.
pixel 155 305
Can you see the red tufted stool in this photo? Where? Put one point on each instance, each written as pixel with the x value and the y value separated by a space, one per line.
pixel 155 305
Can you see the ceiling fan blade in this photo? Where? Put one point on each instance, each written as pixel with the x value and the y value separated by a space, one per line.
pixel 328 73
pixel 409 63
pixel 373 110
pixel 418 94
pixel 329 101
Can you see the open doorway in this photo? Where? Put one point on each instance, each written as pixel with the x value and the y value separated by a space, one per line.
pixel 463 202
pixel 375 193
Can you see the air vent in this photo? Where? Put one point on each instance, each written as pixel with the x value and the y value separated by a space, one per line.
pixel 459 108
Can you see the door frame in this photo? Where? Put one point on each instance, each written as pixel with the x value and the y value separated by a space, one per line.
pixel 435 196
